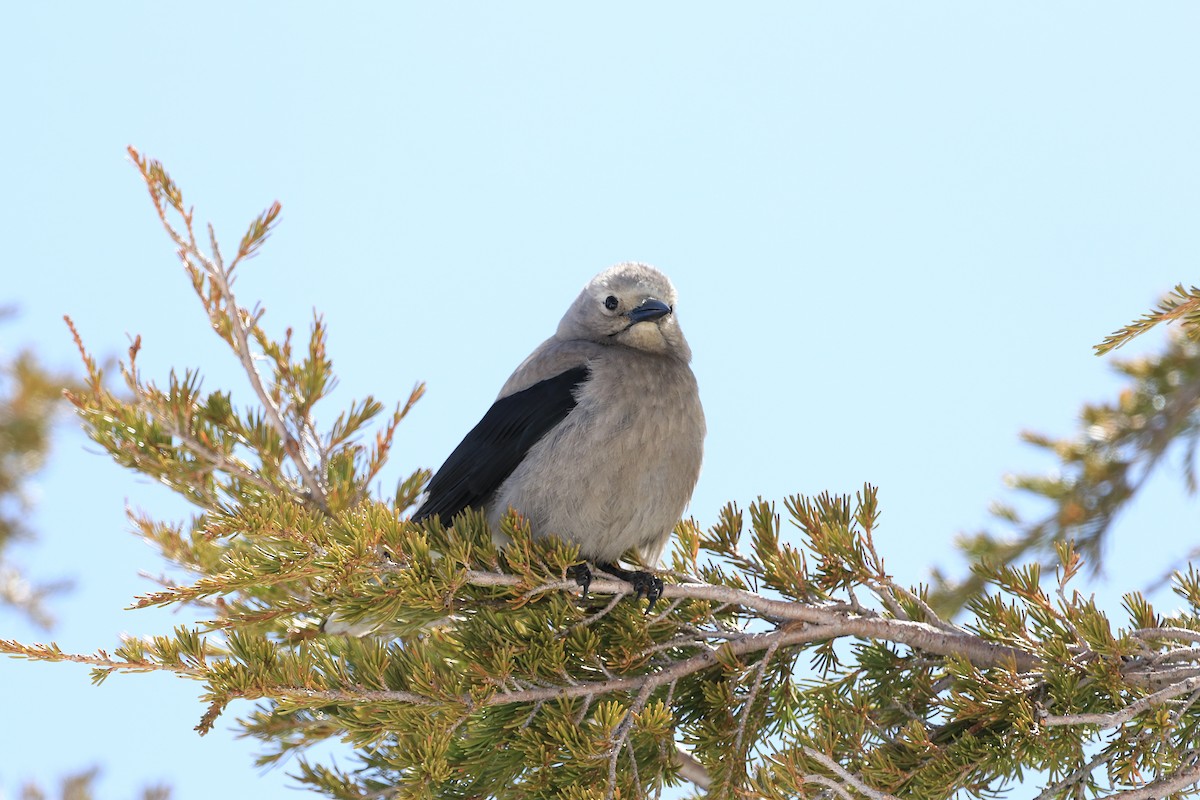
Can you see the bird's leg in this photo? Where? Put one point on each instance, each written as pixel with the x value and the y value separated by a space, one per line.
pixel 645 584
pixel 582 573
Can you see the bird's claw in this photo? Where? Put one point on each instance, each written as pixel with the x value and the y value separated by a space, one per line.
pixel 582 573
pixel 646 585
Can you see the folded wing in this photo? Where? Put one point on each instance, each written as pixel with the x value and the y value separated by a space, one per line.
pixel 498 444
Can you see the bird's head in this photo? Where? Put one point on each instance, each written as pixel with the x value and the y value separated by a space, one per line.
pixel 630 304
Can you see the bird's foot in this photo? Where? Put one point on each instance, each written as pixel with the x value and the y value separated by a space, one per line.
pixel 645 584
pixel 582 573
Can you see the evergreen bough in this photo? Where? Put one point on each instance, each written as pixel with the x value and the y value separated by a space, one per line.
pixel 769 670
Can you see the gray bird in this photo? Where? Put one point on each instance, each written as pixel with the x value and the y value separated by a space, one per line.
pixel 597 436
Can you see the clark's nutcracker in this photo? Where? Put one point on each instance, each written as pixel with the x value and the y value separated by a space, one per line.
pixel 597 436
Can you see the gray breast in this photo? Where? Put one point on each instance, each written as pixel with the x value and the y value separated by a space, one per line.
pixel 620 469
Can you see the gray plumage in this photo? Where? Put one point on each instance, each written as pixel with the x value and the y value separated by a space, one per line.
pixel 598 435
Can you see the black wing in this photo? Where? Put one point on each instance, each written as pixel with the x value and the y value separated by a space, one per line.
pixel 494 447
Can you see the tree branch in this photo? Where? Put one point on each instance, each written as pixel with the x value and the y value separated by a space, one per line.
pixel 1163 787
pixel 847 777
pixel 291 444
pixel 828 621
pixel 1121 716
pixel 1179 634
pixel 220 276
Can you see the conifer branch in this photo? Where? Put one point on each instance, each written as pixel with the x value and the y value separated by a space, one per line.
pixel 1079 775
pixel 460 668
pixel 230 465
pixel 845 776
pixel 827 621
pixel 830 784
pixel 101 659
pixel 759 673
pixel 227 317
pixel 1168 786
pixel 1178 634
pixel 1124 715
pixel 237 317
pixel 1102 466
pixel 643 684
pixel 1180 304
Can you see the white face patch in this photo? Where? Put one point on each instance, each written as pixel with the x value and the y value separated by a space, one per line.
pixel 644 336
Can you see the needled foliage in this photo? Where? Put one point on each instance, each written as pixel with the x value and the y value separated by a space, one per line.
pixel 783 660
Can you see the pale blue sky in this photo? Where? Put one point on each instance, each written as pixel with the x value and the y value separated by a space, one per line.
pixel 896 230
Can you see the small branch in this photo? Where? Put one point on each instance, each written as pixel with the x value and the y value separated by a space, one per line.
pixel 42 652
pixel 197 264
pixel 639 683
pixel 543 588
pixel 1178 634
pixel 622 736
pixel 582 715
pixel 830 784
pixel 633 767
pixel 1163 787
pixel 835 620
pixel 229 465
pixel 889 602
pixel 1121 716
pixel 1155 678
pixel 1177 655
pixel 886 588
pixel 1061 591
pixel 1078 775
pixel 847 777
pixel 671 644
pixel 529 720
pixel 754 689
pixel 273 415
pixel 299 693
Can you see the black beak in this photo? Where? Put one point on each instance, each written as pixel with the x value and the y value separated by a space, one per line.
pixel 649 311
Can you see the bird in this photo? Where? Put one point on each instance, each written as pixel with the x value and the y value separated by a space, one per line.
pixel 597 436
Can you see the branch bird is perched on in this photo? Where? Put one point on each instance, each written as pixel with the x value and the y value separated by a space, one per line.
pixel 597 436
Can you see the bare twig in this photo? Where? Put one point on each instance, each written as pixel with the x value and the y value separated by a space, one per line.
pixel 886 588
pixel 533 713
pixel 888 597
pixel 582 715
pixel 622 735
pixel 754 689
pixel 848 778
pixel 1164 787
pixel 633 767
pixel 1179 634
pixel 831 784
pixel 1078 775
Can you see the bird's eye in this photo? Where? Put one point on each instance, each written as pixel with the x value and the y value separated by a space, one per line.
pixel 611 303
